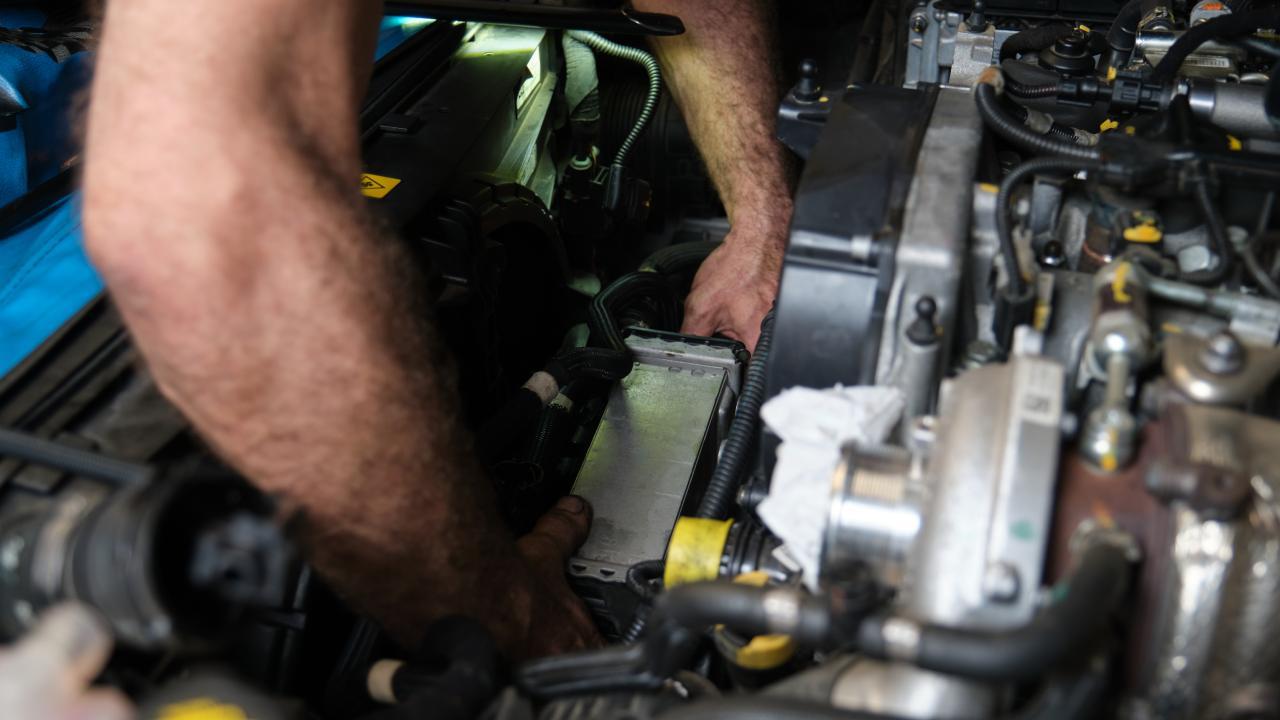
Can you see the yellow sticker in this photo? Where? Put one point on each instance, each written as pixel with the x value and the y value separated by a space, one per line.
pixel 377 186
pixel 201 709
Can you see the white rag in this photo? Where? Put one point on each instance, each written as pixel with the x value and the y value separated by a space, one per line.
pixel 813 425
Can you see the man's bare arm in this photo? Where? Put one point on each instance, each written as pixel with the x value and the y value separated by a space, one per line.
pixel 221 208
pixel 723 72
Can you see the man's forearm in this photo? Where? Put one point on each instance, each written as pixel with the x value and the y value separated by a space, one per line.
pixel 221 208
pixel 723 73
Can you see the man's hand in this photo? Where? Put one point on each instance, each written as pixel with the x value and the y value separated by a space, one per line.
pixel 46 674
pixel 558 620
pixel 735 287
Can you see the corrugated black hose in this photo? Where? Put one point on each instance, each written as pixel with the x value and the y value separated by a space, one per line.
pixel 1002 124
pixel 731 468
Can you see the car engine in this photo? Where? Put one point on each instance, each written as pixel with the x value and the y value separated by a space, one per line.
pixel 1007 447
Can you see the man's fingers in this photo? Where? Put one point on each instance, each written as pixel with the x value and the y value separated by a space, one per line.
pixel 561 531
pixel 100 704
pixel 69 642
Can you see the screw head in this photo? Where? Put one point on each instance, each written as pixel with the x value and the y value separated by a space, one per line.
pixel 918 24
pixel 1223 354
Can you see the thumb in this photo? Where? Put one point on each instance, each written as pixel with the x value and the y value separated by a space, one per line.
pixel 560 532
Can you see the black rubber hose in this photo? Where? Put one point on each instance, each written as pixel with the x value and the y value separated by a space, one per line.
pixel 48 453
pixel 1006 127
pixel 608 303
pixel 680 258
pixel 1092 594
pixel 1223 27
pixel 764 707
pixel 731 468
pixel 1004 209
pixel 746 610
pixel 1219 241
pixel 1123 33
pixel 547 438
pixel 1032 39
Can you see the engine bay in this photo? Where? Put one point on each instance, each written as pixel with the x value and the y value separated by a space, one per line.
pixel 1006 447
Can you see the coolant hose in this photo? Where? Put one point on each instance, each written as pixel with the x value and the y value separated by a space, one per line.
pixel 1033 39
pixel 749 610
pixel 764 707
pixel 1123 32
pixel 986 95
pixel 1092 594
pixel 727 476
pixel 1222 27
pixel 640 57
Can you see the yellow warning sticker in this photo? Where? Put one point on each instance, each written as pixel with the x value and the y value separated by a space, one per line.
pixel 202 709
pixel 377 186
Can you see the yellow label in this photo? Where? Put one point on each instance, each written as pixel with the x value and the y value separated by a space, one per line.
pixel 1111 73
pixel 377 186
pixel 1108 124
pixel 201 709
pixel 1234 143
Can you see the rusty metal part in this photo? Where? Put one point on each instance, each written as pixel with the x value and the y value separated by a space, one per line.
pixel 1118 499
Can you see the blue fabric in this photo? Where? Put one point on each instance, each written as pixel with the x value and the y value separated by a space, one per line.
pixel 395 30
pixel 45 279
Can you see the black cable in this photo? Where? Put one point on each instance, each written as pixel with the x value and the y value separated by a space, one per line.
pixel 1004 208
pixel 643 579
pixel 1220 28
pixel 1092 593
pixel 1006 127
pixel 727 476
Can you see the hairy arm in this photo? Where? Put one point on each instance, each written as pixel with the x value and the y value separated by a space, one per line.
pixel 723 73
pixel 221 208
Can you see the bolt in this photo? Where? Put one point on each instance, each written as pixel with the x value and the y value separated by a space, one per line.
pixel 1000 583
pixel 979 353
pixel 1053 255
pixel 1196 258
pixel 1223 354
pixel 918 24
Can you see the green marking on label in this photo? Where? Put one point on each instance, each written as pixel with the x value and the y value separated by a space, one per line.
pixel 1023 530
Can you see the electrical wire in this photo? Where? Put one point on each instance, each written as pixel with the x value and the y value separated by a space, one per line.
pixel 650 65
